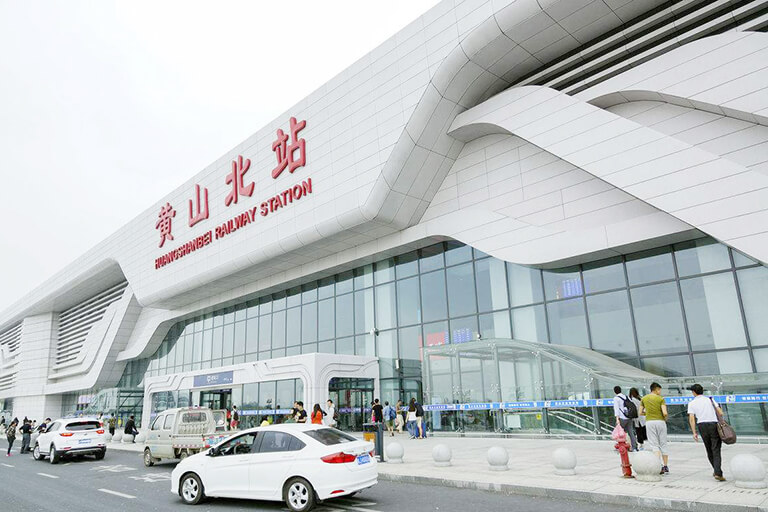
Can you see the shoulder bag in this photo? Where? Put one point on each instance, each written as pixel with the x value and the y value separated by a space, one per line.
pixel 724 430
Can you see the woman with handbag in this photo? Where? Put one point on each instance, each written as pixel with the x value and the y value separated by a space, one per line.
pixel 704 413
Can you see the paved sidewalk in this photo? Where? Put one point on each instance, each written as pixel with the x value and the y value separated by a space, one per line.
pixel 689 486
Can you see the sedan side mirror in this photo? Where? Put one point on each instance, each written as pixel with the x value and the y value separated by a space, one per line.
pixel 211 452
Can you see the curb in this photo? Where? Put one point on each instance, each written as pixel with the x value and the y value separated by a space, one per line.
pixel 567 494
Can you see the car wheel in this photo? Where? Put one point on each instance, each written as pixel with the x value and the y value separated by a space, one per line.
pixel 53 455
pixel 100 455
pixel 191 489
pixel 36 453
pixel 299 495
pixel 183 455
pixel 148 458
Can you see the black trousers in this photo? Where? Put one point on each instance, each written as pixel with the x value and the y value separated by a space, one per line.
pixel 10 443
pixel 25 438
pixel 713 443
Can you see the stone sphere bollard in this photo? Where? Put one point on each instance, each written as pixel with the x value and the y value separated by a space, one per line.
pixel 394 452
pixel 748 471
pixel 565 461
pixel 647 466
pixel 141 437
pixel 108 437
pixel 497 458
pixel 117 437
pixel 127 438
pixel 441 454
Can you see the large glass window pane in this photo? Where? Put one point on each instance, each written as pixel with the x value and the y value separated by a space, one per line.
pixel 611 324
pixel 293 327
pixel 495 325
pixel 309 293
pixel 649 266
pixel 327 347
pixel 344 282
pixel 491 280
pixel 197 347
pixel 431 258
pixel 436 334
pixel 285 394
pixel 659 319
pixel 207 344
pixel 741 260
pixel 457 252
pixel 294 297
pixel 753 284
pixel 524 285
pixel 345 346
pixel 717 363
pixel 239 338
pixel 461 290
pixel 387 352
pixel 604 275
pixel 252 335
pixel 325 289
pixel 364 277
pixel 364 320
pixel 267 395
pixel 410 351
pixel 309 322
pixel 277 304
pixel 407 265
pixel 275 324
pixel 408 303
pixel 181 348
pixel 568 323
pixel 668 366
pixel 326 319
pixel 529 324
pixel 384 271
pixel 712 311
pixel 562 283
pixel 218 340
pixel 365 345
pixel 252 311
pixel 293 351
pixel 385 308
pixel 463 329
pixel 345 315
pixel 229 340
pixel 433 299
pixel 701 256
pixel 309 348
pixel 761 359
pixel 240 314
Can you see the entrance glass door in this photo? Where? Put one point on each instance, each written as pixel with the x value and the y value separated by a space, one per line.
pixel 216 399
pixel 353 398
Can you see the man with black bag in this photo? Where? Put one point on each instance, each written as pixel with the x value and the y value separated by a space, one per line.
pixel 625 412
pixel 703 411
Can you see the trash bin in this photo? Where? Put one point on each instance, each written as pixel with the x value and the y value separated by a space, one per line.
pixel 374 432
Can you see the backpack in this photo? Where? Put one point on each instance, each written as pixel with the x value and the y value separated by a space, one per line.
pixel 389 413
pixel 630 408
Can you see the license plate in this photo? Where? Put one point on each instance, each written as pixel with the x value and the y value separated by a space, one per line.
pixel 84 441
pixel 363 459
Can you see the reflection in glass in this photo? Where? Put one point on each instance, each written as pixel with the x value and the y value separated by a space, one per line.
pixel 701 256
pixel 463 329
pixel 387 345
pixel 407 265
pixel 529 324
pixel 490 273
pixel 568 323
pixel 431 258
pixel 293 327
pixel 344 315
pixel 309 322
pixel 562 283
pixel 495 325
pixel 716 363
pixel 753 284
pixel 649 266
pixel 456 252
pixel 385 308
pixel 611 324
pixel 326 319
pixel 604 275
pixel 433 298
pixel 278 330
pixel 436 334
pixel 524 285
pixel 659 319
pixel 461 285
pixel 668 366
pixel 408 303
pixel 364 277
pixel 712 312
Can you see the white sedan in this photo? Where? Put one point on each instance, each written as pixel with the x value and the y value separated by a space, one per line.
pixel 72 436
pixel 296 463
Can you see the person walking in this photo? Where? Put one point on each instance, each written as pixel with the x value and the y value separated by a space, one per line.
pixel 389 418
pixel 317 415
pixel 112 424
pixel 10 435
pixel 235 418
pixel 639 422
pixel 703 411
pixel 421 425
pixel 410 419
pixel 625 412
pixel 130 428
pixel 399 422
pixel 378 411
pixel 330 416
pixel 655 410
pixel 301 414
pixel 26 436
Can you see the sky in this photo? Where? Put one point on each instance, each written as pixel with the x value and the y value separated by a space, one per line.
pixel 106 106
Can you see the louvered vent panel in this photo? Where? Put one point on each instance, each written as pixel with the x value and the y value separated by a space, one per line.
pixel 76 322
pixel 11 338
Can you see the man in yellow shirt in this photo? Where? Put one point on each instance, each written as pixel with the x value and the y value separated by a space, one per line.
pixel 654 408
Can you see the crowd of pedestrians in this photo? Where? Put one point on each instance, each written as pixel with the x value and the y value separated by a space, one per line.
pixel 25 428
pixel 645 422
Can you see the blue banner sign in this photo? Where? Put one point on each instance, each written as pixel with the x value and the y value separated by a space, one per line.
pixel 214 379
pixel 263 412
pixel 591 402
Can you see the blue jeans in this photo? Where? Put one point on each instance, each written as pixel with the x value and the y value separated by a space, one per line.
pixel 411 427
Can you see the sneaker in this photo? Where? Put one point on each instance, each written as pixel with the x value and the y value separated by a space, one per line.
pixel 664 469
pixel 720 478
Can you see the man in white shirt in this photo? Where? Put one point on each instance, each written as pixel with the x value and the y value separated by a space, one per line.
pixel 703 411
pixel 330 412
pixel 620 411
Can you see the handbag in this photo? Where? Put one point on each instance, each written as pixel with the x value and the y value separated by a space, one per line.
pixel 724 430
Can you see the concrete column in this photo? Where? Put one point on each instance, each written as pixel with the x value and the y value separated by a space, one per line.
pixel 38 334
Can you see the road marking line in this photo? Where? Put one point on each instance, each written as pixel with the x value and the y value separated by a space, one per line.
pixel 8 465
pixel 47 475
pixel 117 493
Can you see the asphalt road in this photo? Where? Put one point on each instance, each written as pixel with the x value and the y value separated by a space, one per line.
pixel 121 482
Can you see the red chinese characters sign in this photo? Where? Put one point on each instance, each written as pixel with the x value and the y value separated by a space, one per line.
pixel 291 153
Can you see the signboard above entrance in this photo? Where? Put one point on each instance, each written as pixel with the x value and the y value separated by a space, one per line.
pixel 214 379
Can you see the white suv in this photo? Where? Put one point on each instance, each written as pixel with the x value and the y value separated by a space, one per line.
pixel 73 436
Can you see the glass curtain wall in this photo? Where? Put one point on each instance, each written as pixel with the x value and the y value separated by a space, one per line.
pixel 695 308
